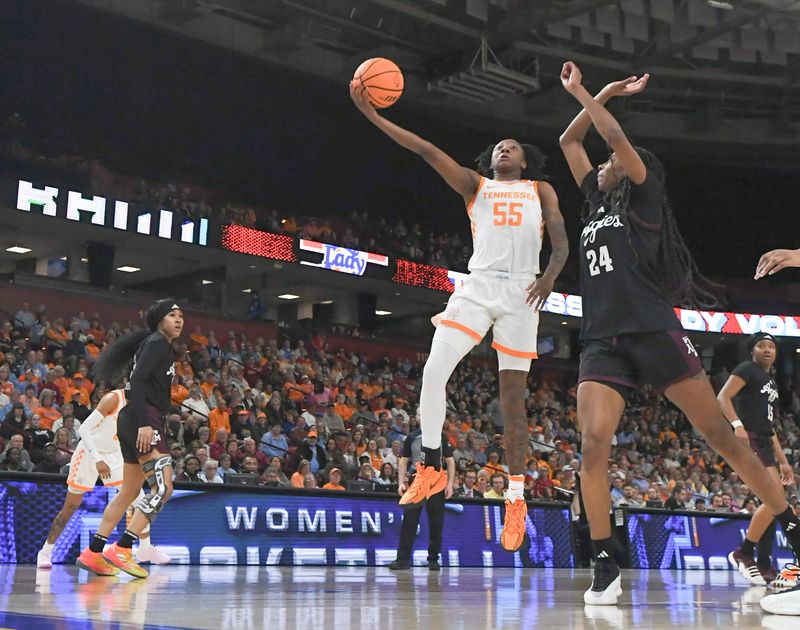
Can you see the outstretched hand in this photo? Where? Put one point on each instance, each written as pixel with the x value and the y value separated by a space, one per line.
pixel 359 95
pixel 628 87
pixel 775 260
pixel 570 77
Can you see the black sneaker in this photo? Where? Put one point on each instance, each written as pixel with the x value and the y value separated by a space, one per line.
pixel 606 584
pixel 747 567
pixel 433 565
pixel 397 565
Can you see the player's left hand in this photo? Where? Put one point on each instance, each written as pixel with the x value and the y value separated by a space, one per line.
pixel 787 475
pixel 538 292
pixel 571 76
pixel 103 470
pixel 448 491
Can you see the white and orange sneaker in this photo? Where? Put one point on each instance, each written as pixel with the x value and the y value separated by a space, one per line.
pixel 789 577
pixel 513 533
pixel 427 482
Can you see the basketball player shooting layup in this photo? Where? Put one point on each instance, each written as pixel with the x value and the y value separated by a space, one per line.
pixel 508 205
pixel 97 455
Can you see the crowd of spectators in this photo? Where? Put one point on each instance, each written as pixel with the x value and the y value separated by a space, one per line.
pixel 298 413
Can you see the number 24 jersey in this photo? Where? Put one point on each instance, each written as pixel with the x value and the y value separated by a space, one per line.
pixel 619 283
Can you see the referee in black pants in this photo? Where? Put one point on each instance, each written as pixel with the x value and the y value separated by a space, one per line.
pixel 412 451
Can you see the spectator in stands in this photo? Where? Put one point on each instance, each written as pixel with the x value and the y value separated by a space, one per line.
pixel 313 452
pixel 46 408
pixel 37 436
pixel 50 461
pixel 249 450
pixel 335 480
pixel 717 504
pixel 366 473
pixel 71 426
pixel 277 463
pixel 274 442
pixel 249 466
pixel 387 478
pixel 24 318
pixel 628 497
pixel 333 418
pixel 498 487
pixel 298 478
pixel 219 417
pixel 677 501
pixel 270 479
pixel 468 489
pixel 219 445
pixel 12 460
pixel 226 466
pixel 64 446
pixel 14 422
pixel 260 426
pixel 242 427
pixel 191 470
pixel 309 482
pixel 210 472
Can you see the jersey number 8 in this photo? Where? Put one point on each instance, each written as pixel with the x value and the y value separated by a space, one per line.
pixel 604 260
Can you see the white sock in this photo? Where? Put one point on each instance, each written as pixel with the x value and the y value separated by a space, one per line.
pixel 48 548
pixel 144 539
pixel 516 486
pixel 442 361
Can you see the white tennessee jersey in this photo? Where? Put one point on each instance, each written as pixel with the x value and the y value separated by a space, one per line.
pixel 507 227
pixel 104 431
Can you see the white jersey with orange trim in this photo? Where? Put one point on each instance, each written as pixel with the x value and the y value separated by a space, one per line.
pixel 104 431
pixel 507 227
pixel 102 434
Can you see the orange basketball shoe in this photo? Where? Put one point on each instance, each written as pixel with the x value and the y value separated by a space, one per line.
pixel 514 526
pixel 95 562
pixel 427 482
pixel 122 558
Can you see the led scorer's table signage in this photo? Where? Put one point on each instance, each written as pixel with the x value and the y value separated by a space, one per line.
pixel 146 222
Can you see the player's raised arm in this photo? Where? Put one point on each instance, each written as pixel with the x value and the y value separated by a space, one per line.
pixel 606 125
pixel 463 180
pixel 571 140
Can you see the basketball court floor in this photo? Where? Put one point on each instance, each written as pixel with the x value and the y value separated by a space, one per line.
pixel 353 598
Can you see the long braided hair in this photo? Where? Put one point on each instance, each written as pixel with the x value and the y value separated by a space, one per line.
pixel 676 271
pixel 534 159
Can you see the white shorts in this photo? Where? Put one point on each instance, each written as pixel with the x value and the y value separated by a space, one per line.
pixel 83 471
pixel 497 301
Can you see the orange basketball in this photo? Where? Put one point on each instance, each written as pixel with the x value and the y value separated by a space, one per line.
pixel 383 80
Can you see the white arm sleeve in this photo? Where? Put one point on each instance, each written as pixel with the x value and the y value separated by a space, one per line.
pixel 86 434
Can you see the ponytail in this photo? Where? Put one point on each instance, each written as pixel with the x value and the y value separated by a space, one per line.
pixel 111 365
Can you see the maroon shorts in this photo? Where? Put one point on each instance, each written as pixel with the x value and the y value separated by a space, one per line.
pixel 630 361
pixel 762 445
pixel 128 431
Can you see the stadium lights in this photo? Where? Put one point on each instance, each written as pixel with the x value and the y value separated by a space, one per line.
pixel 247 290
pixel 288 296
pixel 563 323
pixel 383 312
pixel 84 260
pixel 128 269
pixel 16 249
pixel 327 302
pixel 207 281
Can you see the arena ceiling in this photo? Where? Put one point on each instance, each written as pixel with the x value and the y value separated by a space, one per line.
pixel 724 72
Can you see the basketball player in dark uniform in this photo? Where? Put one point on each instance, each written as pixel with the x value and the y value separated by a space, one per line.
pixel 748 400
pixel 412 452
pixel 140 429
pixel 634 267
